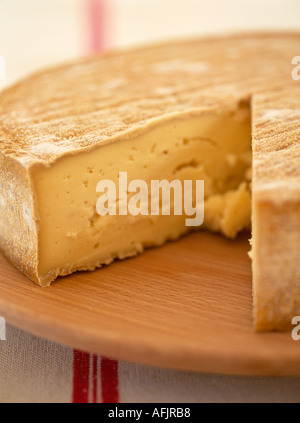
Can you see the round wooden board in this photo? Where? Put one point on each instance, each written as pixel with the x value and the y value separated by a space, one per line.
pixel 186 305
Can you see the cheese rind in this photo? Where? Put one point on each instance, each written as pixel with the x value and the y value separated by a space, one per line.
pixel 18 229
pixel 276 209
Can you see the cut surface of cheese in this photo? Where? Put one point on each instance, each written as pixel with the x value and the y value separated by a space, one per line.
pixel 70 224
pixel 177 111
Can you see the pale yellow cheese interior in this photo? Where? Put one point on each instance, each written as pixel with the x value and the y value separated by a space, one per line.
pixel 215 147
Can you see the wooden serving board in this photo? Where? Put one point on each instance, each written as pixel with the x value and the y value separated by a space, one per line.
pixel 186 305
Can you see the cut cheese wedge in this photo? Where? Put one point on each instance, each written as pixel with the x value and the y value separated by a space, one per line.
pixel 179 111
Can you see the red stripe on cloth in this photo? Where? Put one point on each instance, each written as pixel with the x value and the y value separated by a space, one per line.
pixel 95 379
pixel 98 21
pixel 81 372
pixel 110 381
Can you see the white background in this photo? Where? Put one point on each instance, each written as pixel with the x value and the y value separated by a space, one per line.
pixel 37 33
